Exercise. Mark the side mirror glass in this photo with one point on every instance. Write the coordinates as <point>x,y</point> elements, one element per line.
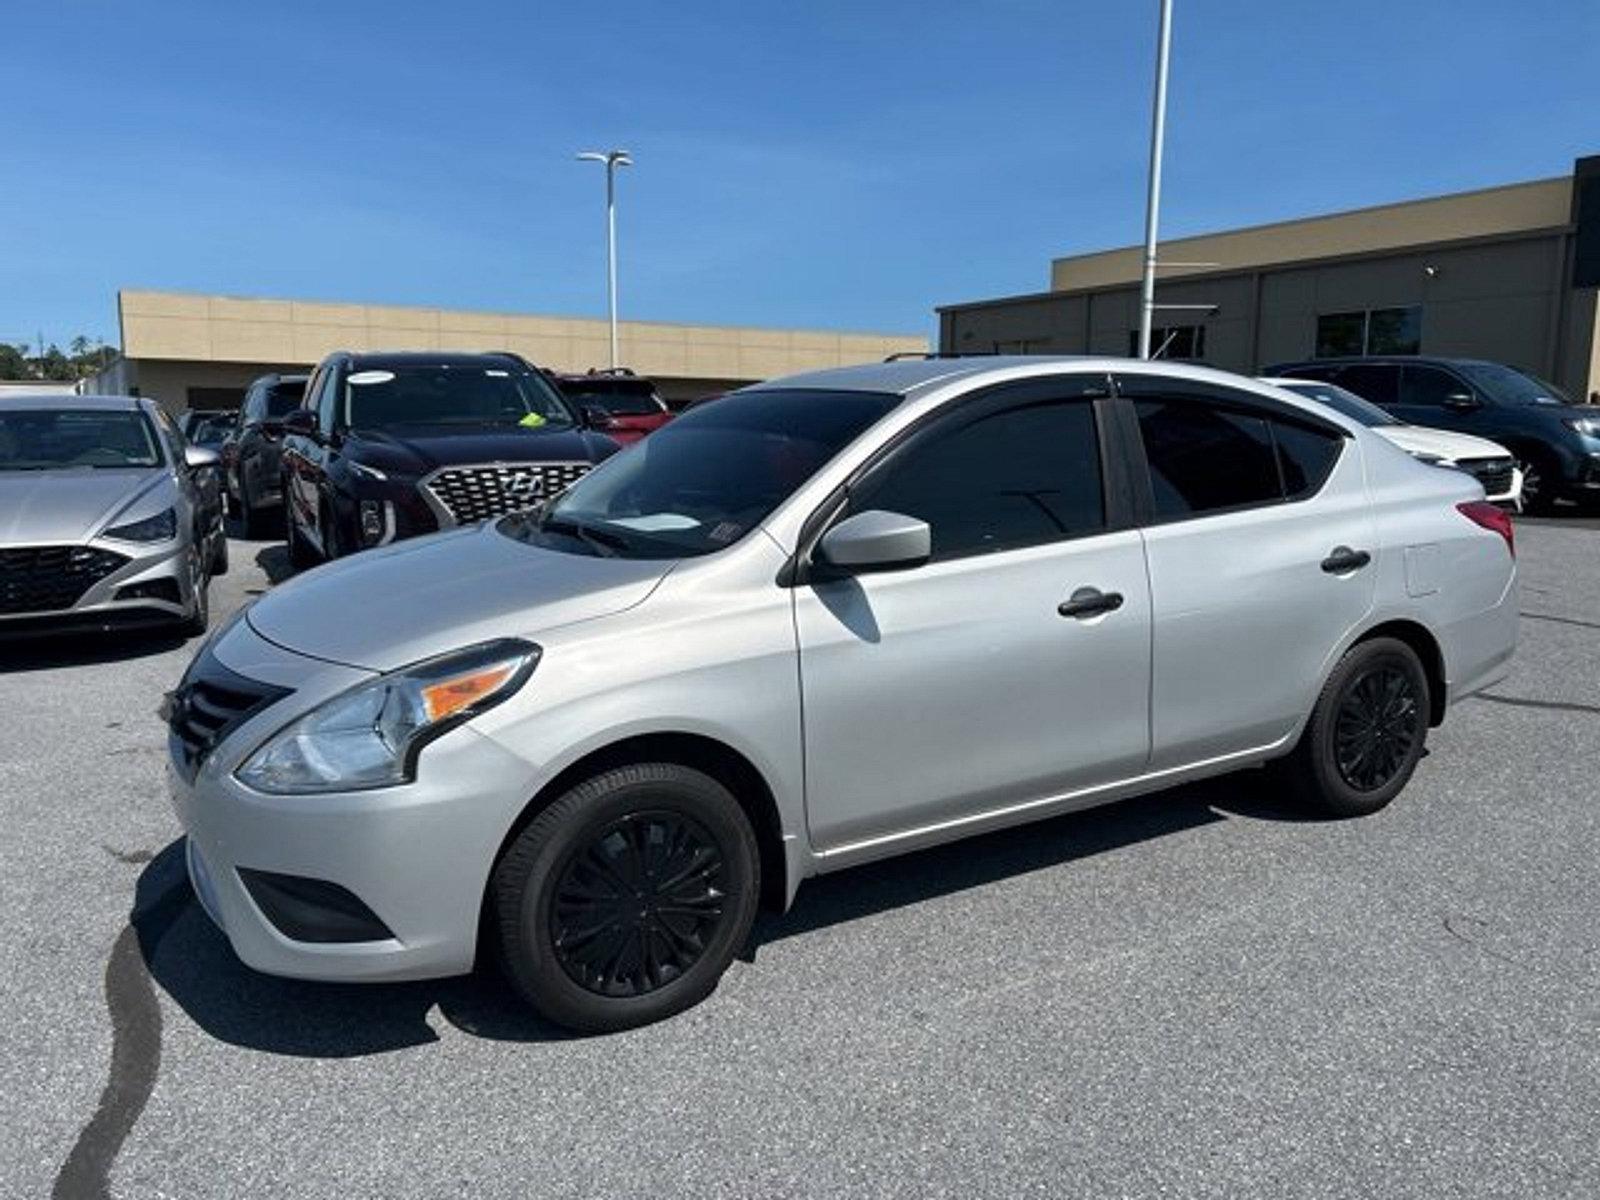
<point>197,458</point>
<point>875,541</point>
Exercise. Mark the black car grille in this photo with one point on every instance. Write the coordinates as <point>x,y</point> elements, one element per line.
<point>478,493</point>
<point>207,705</point>
<point>37,579</point>
<point>1493,473</point>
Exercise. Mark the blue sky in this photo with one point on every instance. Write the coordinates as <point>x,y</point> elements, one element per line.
<point>815,164</point>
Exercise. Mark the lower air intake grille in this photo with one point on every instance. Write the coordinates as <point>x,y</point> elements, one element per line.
<point>209,703</point>
<point>470,494</point>
<point>1493,473</point>
<point>36,579</point>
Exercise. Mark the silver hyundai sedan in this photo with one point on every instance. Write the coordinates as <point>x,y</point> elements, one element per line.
<point>827,619</point>
<point>107,517</point>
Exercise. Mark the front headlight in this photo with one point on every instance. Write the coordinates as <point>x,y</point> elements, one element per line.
<point>370,736</point>
<point>159,528</point>
<point>1588,426</point>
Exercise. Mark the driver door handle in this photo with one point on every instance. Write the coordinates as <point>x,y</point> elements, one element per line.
<point>1089,602</point>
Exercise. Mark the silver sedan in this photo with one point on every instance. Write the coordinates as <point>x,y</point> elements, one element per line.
<point>107,518</point>
<point>824,620</point>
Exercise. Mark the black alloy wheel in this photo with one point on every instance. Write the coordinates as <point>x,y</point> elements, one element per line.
<point>1378,723</point>
<point>1366,733</point>
<point>637,905</point>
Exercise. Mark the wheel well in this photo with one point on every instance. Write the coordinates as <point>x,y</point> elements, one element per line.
<point>1427,650</point>
<point>718,760</point>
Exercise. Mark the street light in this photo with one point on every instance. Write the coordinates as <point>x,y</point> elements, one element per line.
<point>612,159</point>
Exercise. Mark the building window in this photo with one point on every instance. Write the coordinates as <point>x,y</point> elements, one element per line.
<point>1171,341</point>
<point>1371,331</point>
<point>1036,345</point>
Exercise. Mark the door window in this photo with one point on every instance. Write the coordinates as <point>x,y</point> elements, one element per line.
<point>1377,383</point>
<point>326,397</point>
<point>1017,477</point>
<point>1305,456</point>
<point>1429,386</point>
<point>1204,459</point>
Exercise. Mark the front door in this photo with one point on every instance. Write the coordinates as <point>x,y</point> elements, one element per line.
<point>961,687</point>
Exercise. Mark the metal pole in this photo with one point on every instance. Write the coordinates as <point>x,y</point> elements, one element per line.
<point>611,250</point>
<point>1152,207</point>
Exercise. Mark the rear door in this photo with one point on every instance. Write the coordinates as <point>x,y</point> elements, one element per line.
<point>1258,524</point>
<point>960,687</point>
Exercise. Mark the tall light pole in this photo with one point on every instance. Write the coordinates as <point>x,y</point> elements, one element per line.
<point>612,159</point>
<point>1152,205</point>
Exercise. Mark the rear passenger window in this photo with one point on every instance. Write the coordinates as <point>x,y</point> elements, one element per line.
<point>1306,457</point>
<point>1203,459</point>
<point>1018,477</point>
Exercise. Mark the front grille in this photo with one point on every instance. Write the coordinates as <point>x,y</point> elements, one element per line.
<point>36,579</point>
<point>1493,473</point>
<point>470,494</point>
<point>207,705</point>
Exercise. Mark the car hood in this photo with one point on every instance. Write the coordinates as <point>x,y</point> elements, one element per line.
<point>383,609</point>
<point>67,506</point>
<point>1419,439</point>
<point>424,448</point>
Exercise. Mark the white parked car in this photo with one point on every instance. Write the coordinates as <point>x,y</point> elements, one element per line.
<point>1490,463</point>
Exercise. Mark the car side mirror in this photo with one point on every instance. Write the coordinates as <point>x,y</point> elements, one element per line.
<point>302,421</point>
<point>198,458</point>
<point>1462,402</point>
<point>874,541</point>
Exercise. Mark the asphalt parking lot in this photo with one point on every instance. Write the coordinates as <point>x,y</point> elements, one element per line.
<point>1194,994</point>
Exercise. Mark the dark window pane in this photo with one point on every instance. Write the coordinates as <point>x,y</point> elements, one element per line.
<point>1013,478</point>
<point>1429,386</point>
<point>1203,459</point>
<point>284,399</point>
<point>1341,334</point>
<point>1377,383</point>
<point>1305,456</point>
<point>1394,330</point>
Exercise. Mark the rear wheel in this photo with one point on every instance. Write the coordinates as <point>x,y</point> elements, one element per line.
<point>252,519</point>
<point>1366,733</point>
<point>625,900</point>
<point>219,551</point>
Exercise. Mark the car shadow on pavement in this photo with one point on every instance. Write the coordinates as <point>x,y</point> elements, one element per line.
<point>80,648</point>
<point>191,960</point>
<point>274,563</point>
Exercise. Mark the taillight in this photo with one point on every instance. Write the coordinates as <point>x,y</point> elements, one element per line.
<point>1491,517</point>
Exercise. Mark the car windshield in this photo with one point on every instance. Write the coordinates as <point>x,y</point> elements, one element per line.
<point>284,398</point>
<point>634,402</point>
<point>705,480</point>
<point>1512,385</point>
<point>1346,403</point>
<point>47,439</point>
<point>451,394</point>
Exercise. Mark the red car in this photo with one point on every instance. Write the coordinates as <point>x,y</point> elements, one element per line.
<point>617,403</point>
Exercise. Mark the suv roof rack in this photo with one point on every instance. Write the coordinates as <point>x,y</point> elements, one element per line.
<point>929,355</point>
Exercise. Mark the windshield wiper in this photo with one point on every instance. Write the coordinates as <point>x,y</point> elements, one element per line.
<point>603,542</point>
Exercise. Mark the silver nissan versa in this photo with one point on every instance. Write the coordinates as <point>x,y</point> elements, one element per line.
<point>824,620</point>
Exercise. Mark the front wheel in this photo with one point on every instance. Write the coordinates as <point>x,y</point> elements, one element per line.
<point>625,900</point>
<point>1538,485</point>
<point>1366,733</point>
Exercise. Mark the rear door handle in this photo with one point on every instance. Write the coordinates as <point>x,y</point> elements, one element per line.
<point>1341,559</point>
<point>1090,602</point>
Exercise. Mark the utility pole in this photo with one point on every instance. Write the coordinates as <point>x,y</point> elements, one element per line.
<point>1152,207</point>
<point>612,160</point>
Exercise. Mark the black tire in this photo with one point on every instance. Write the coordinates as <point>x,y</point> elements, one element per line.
<point>1539,471</point>
<point>199,619</point>
<point>219,552</point>
<point>301,556</point>
<point>1366,734</point>
<point>251,519</point>
<point>564,895</point>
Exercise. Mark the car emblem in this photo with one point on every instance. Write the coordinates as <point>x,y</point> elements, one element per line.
<point>524,487</point>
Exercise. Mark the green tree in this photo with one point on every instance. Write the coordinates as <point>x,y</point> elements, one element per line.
<point>56,366</point>
<point>14,362</point>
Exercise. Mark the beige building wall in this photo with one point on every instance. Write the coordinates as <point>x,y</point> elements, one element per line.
<point>174,336</point>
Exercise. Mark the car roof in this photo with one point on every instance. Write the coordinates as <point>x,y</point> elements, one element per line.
<point>366,360</point>
<point>1386,359</point>
<point>909,376</point>
<point>70,400</point>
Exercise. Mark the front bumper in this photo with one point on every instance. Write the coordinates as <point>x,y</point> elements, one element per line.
<point>417,857</point>
<point>153,587</point>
